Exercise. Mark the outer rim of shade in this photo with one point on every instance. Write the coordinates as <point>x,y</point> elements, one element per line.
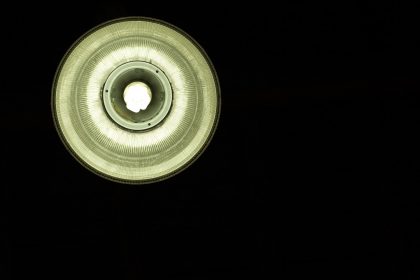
<point>180,168</point>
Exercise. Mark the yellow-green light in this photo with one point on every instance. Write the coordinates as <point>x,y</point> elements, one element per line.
<point>136,100</point>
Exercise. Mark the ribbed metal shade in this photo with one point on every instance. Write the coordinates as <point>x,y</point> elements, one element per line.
<point>136,147</point>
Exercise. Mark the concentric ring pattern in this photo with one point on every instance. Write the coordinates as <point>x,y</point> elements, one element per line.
<point>132,156</point>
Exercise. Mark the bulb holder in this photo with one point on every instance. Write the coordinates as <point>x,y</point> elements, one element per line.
<point>113,97</point>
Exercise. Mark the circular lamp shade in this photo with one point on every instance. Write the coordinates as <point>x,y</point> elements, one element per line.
<point>136,100</point>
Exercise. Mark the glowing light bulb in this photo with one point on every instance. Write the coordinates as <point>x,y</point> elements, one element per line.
<point>137,96</point>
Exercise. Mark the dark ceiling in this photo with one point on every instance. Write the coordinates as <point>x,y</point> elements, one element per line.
<point>312,172</point>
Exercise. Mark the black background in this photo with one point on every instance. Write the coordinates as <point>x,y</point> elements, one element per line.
<point>312,172</point>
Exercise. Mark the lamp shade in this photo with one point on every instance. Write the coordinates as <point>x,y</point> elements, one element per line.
<point>136,100</point>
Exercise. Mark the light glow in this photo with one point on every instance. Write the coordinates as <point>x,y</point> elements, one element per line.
<point>137,96</point>
<point>103,146</point>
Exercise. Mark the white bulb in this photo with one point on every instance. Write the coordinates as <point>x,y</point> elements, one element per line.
<point>137,96</point>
